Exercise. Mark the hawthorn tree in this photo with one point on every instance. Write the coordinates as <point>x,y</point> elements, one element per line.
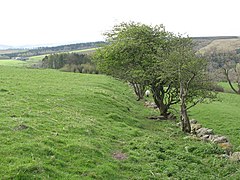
<point>124,55</point>
<point>150,56</point>
<point>133,53</point>
<point>188,74</point>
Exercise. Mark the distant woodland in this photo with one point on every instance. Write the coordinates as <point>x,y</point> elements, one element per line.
<point>52,50</point>
<point>70,62</point>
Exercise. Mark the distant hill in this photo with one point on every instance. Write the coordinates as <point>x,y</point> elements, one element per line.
<point>217,44</point>
<point>218,51</point>
<point>221,46</point>
<point>55,49</point>
<point>203,45</point>
<point>2,47</point>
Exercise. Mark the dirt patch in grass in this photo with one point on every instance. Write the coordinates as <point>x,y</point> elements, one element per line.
<point>119,156</point>
<point>21,127</point>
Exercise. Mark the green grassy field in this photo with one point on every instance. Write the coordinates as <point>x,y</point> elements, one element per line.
<point>34,60</point>
<point>57,125</point>
<point>10,62</point>
<point>227,87</point>
<point>222,115</point>
<point>17,63</point>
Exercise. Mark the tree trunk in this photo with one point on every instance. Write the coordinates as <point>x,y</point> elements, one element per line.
<point>139,90</point>
<point>158,97</point>
<point>163,109</point>
<point>185,119</point>
<point>184,116</point>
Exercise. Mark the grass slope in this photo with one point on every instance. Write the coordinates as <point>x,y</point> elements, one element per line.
<point>56,125</point>
<point>222,115</point>
<point>10,62</point>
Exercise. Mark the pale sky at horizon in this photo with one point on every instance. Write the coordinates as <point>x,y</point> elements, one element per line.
<point>34,22</point>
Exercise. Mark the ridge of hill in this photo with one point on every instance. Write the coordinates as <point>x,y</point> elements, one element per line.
<point>50,50</point>
<point>216,44</point>
<point>203,44</point>
<point>2,47</point>
<point>221,46</point>
<point>57,125</point>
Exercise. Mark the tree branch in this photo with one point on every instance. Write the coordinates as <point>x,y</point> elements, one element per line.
<point>168,88</point>
<point>229,81</point>
<point>190,80</point>
<point>195,103</point>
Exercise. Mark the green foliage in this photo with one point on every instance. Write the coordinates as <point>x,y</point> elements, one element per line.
<point>134,53</point>
<point>130,47</point>
<point>188,75</point>
<point>184,68</point>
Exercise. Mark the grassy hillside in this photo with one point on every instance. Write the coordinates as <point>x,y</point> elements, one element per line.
<point>57,125</point>
<point>10,62</point>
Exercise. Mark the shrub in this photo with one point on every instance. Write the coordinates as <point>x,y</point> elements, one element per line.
<point>218,88</point>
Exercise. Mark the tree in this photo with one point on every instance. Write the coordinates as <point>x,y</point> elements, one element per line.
<point>188,74</point>
<point>133,53</point>
<point>129,47</point>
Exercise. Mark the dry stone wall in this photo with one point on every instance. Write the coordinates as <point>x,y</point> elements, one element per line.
<point>206,134</point>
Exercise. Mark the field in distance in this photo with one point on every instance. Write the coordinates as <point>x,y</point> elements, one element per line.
<point>36,59</point>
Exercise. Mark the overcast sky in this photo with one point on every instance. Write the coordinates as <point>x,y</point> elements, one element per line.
<point>25,22</point>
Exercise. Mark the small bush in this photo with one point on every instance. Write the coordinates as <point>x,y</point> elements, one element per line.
<point>218,88</point>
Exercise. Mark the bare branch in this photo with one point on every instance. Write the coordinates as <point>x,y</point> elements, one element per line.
<point>195,103</point>
<point>168,88</point>
<point>226,72</point>
<point>190,80</point>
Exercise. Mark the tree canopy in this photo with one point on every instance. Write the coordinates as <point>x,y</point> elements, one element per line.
<point>129,50</point>
<point>189,74</point>
<point>150,56</point>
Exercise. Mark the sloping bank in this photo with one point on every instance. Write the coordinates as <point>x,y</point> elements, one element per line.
<point>57,125</point>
